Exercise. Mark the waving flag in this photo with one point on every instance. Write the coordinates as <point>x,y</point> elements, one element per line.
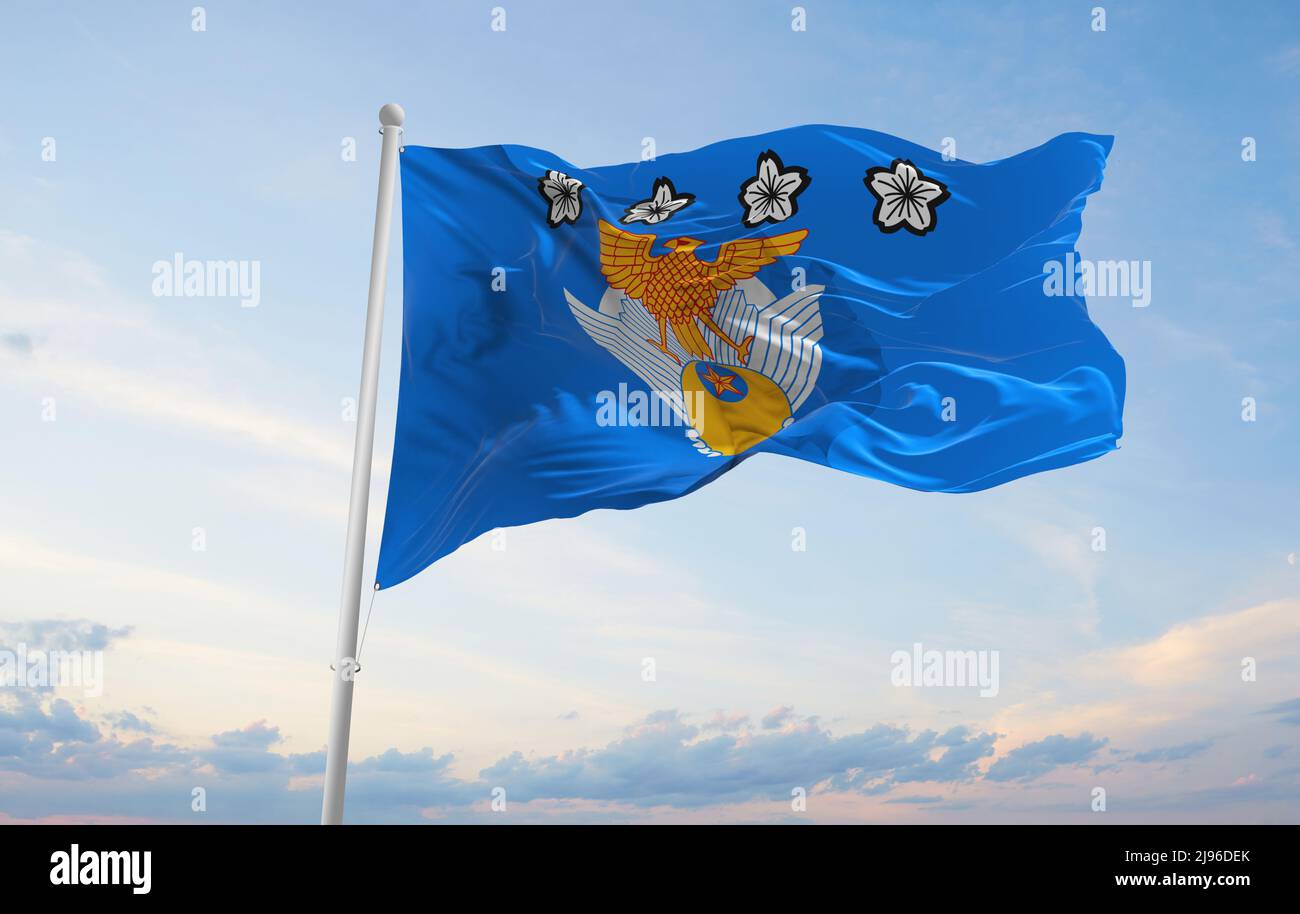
<point>616,336</point>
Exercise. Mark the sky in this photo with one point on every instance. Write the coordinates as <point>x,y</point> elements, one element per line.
<point>175,469</point>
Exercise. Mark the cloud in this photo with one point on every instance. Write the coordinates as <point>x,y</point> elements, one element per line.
<point>1274,798</point>
<point>60,634</point>
<point>1033,760</point>
<point>257,736</point>
<point>125,720</point>
<point>1173,753</point>
<point>916,799</point>
<point>661,761</point>
<point>1203,649</point>
<point>251,751</point>
<point>36,726</point>
<point>1287,712</point>
<point>20,343</point>
<point>665,760</point>
<point>727,723</point>
<point>777,717</point>
<point>47,738</point>
<point>56,763</point>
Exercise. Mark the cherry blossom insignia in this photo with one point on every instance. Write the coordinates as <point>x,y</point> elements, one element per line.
<point>663,203</point>
<point>564,194</point>
<point>770,196</point>
<point>905,198</point>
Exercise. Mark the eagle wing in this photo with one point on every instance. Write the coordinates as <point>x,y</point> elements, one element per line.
<point>625,259</point>
<point>742,258</point>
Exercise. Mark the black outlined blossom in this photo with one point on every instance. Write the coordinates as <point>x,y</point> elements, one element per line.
<point>905,198</point>
<point>564,194</point>
<point>663,203</point>
<point>770,196</point>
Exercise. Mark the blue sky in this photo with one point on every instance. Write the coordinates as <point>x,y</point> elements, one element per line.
<point>522,668</point>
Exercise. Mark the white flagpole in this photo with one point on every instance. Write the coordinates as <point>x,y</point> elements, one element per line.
<point>345,649</point>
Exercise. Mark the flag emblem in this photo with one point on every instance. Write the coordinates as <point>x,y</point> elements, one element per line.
<point>705,336</point>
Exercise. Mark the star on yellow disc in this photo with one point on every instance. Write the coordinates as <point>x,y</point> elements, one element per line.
<point>722,383</point>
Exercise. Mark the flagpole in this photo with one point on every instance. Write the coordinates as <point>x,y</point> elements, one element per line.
<point>345,649</point>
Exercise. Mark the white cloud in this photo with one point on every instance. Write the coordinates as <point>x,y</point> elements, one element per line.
<point>1211,649</point>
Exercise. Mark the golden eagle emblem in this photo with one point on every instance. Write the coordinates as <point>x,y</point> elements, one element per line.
<point>679,289</point>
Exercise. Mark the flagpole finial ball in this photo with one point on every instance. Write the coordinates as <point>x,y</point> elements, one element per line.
<point>391,115</point>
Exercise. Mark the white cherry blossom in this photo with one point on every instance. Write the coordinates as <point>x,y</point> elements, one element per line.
<point>564,194</point>
<point>664,201</point>
<point>770,196</point>
<point>905,198</point>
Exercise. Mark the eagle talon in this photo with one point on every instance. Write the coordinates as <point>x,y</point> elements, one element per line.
<point>742,351</point>
<point>665,350</point>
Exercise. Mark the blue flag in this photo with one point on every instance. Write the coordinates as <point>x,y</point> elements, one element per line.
<point>579,338</point>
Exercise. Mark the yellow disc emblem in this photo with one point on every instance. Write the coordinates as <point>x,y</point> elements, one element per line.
<point>733,408</point>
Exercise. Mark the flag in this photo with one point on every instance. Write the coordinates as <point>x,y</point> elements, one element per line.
<point>581,338</point>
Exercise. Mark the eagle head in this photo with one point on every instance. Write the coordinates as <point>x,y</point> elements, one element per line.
<point>683,245</point>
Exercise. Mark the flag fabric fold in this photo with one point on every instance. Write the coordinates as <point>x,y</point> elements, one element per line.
<point>615,336</point>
